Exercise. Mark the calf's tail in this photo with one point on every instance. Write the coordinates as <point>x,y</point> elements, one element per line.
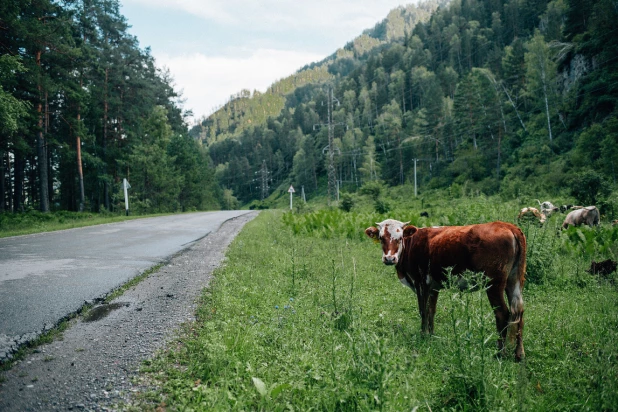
<point>516,304</point>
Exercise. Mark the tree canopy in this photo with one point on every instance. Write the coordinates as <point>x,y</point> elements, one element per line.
<point>82,107</point>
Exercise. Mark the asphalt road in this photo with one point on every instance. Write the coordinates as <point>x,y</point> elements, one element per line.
<point>95,364</point>
<point>47,276</point>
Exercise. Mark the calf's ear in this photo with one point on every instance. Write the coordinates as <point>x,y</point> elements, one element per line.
<point>372,232</point>
<point>409,230</point>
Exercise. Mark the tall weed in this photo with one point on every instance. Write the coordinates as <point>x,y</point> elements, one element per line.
<point>271,332</point>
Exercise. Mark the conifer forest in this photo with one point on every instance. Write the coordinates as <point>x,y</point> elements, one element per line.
<point>495,96</point>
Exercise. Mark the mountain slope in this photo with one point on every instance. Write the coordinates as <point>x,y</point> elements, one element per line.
<point>246,108</point>
<point>484,96</point>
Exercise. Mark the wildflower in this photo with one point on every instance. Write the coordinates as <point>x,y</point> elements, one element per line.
<point>291,299</point>
<point>276,306</point>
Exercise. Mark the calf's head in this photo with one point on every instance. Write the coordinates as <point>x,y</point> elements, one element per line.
<point>390,233</point>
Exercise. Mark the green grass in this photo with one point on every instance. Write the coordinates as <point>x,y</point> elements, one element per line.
<point>304,320</point>
<point>33,221</point>
<point>15,224</point>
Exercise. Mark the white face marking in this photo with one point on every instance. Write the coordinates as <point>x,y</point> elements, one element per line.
<point>394,228</point>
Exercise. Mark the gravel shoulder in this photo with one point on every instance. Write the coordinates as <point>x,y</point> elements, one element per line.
<point>92,366</point>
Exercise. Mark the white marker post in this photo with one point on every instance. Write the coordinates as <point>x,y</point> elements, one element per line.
<point>126,186</point>
<point>290,191</point>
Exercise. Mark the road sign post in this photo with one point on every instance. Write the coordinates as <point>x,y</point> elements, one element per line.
<point>291,191</point>
<point>126,186</point>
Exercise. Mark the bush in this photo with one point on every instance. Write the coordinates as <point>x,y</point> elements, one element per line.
<point>229,200</point>
<point>347,202</point>
<point>372,189</point>
<point>382,206</point>
<point>541,256</point>
<point>589,187</point>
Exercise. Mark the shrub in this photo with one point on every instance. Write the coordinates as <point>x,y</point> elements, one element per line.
<point>381,206</point>
<point>589,187</point>
<point>372,189</point>
<point>347,202</point>
<point>229,200</point>
<point>541,256</point>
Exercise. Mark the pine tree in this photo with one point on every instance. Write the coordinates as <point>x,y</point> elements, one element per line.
<point>370,168</point>
<point>541,78</point>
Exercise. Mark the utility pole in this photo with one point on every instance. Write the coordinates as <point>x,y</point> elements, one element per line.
<point>264,179</point>
<point>338,190</point>
<point>330,149</point>
<point>332,173</point>
<point>291,191</point>
<point>415,177</point>
<point>302,191</point>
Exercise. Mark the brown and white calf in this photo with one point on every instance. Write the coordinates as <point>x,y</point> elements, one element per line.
<point>531,212</point>
<point>497,249</point>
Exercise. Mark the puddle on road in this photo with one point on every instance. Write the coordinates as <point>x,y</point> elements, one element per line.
<point>102,311</point>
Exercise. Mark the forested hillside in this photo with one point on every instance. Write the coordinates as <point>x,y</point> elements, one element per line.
<point>494,96</point>
<point>246,109</point>
<point>82,107</point>
<point>491,96</point>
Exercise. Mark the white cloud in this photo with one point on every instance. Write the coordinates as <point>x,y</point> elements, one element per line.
<point>345,16</point>
<point>217,68</point>
<point>207,82</point>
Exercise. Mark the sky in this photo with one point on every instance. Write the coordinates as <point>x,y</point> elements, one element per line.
<point>215,48</point>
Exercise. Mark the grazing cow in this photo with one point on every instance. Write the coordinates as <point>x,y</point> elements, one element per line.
<point>424,214</point>
<point>564,208</point>
<point>588,215</point>
<point>547,208</point>
<point>603,268</point>
<point>531,212</point>
<point>497,249</point>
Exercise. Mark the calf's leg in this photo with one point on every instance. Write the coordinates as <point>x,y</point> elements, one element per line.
<point>427,300</point>
<point>495,293</point>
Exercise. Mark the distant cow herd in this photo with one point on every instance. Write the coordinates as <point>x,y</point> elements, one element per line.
<point>423,256</point>
<point>577,215</point>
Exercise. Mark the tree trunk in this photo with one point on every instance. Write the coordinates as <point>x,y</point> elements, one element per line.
<point>547,110</point>
<point>41,147</point>
<point>2,183</point>
<point>514,107</point>
<point>50,171</point>
<point>80,171</point>
<point>498,162</point>
<point>18,189</point>
<point>543,79</point>
<point>105,109</point>
<point>10,187</point>
<point>400,159</point>
<point>79,156</point>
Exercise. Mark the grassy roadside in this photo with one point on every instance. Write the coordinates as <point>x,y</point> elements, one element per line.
<point>304,322</point>
<point>15,224</point>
